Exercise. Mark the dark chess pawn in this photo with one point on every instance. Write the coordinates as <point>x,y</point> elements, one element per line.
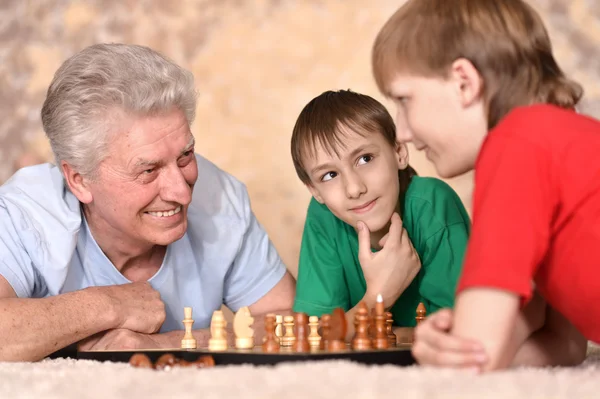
<point>337,331</point>
<point>271,344</point>
<point>361,339</point>
<point>325,326</point>
<point>140,360</point>
<point>301,344</point>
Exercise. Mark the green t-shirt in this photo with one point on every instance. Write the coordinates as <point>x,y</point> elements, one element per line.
<point>330,275</point>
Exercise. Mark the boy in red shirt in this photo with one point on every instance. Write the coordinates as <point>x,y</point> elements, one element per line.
<point>476,86</point>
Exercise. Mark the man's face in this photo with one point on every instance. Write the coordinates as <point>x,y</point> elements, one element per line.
<point>431,113</point>
<point>362,183</point>
<point>144,186</point>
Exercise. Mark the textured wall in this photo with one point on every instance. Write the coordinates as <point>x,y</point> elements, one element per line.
<point>256,63</point>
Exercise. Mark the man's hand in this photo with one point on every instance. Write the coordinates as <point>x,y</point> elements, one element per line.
<point>435,346</point>
<point>389,271</point>
<point>138,306</point>
<point>120,339</point>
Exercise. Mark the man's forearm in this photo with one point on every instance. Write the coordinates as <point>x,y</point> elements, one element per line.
<point>31,329</point>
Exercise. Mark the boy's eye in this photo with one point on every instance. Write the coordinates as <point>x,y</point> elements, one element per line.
<point>328,176</point>
<point>365,159</point>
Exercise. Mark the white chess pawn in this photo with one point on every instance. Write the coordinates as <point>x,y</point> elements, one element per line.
<point>288,338</point>
<point>314,339</point>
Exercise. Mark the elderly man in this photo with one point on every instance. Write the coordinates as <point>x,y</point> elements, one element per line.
<point>107,247</point>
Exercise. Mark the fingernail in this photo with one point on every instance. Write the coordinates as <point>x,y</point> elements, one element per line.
<point>359,225</point>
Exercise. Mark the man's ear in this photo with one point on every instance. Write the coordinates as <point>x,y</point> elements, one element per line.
<point>468,80</point>
<point>315,193</point>
<point>78,184</point>
<point>402,155</point>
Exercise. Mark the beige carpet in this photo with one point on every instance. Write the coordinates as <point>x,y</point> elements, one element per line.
<point>335,379</point>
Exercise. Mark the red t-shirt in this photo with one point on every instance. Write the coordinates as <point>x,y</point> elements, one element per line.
<point>536,212</point>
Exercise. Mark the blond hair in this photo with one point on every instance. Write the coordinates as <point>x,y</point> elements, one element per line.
<point>505,40</point>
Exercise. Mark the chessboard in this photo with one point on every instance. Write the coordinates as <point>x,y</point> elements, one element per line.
<point>290,338</point>
<point>201,358</point>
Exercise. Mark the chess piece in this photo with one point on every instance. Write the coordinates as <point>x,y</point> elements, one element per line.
<point>244,334</point>
<point>166,361</point>
<point>381,340</point>
<point>218,339</point>
<point>188,341</point>
<point>288,338</point>
<point>361,339</point>
<point>325,319</point>
<point>204,362</point>
<point>141,361</point>
<point>279,327</point>
<point>337,331</point>
<point>314,339</point>
<point>392,340</point>
<point>420,313</point>
<point>271,344</point>
<point>301,344</point>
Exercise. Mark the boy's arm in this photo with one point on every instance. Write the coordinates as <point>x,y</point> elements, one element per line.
<point>488,316</point>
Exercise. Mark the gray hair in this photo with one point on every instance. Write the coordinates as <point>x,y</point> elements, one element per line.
<point>91,85</point>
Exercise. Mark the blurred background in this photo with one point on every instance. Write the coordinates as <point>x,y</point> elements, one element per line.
<point>256,63</point>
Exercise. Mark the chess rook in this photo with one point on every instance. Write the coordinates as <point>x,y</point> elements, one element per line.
<point>337,331</point>
<point>325,319</point>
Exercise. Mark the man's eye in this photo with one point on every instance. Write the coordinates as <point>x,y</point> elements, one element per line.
<point>149,171</point>
<point>328,176</point>
<point>188,153</point>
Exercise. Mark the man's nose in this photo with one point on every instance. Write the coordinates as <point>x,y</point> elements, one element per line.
<point>175,187</point>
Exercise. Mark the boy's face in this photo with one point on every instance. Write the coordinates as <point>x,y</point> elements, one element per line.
<point>443,117</point>
<point>360,184</point>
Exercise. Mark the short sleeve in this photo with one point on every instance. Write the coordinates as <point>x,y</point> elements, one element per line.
<point>15,265</point>
<point>512,212</point>
<point>442,264</point>
<point>257,267</point>
<point>321,286</point>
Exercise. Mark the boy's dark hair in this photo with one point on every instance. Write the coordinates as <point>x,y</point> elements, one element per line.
<point>323,119</point>
<point>505,40</point>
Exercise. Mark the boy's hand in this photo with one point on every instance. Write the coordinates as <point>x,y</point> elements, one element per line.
<point>389,271</point>
<point>435,346</point>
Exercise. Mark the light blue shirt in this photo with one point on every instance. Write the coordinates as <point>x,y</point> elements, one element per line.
<point>224,258</point>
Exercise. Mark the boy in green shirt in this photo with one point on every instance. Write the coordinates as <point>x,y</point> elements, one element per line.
<point>373,226</point>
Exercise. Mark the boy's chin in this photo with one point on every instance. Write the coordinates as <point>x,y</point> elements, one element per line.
<point>376,224</point>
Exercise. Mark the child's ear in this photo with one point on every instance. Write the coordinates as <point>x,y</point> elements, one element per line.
<point>468,81</point>
<point>315,193</point>
<point>402,155</point>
